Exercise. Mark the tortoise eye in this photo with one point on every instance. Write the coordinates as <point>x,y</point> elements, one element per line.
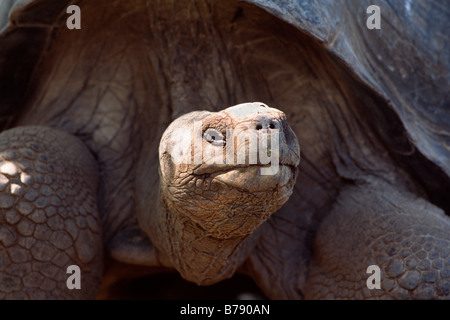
<point>213,136</point>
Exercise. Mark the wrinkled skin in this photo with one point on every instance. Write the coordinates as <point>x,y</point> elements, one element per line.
<point>113,92</point>
<point>209,209</point>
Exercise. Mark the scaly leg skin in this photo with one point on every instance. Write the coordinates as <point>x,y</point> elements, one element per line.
<point>375,224</point>
<point>48,215</point>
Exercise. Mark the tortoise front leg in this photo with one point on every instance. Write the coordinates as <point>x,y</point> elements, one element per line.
<point>376,224</point>
<point>48,215</point>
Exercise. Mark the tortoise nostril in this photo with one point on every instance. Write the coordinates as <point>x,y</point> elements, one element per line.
<point>266,123</point>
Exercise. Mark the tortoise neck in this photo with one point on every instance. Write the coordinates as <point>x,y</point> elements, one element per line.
<point>197,255</point>
<point>201,257</point>
<point>205,259</point>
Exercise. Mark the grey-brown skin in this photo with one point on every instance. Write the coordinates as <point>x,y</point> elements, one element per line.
<point>103,96</point>
<point>208,212</point>
<point>49,215</point>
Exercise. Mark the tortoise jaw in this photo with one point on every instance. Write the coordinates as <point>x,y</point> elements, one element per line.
<point>216,169</point>
<point>213,169</point>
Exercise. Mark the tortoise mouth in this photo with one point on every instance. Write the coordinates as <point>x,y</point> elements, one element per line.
<point>213,170</point>
<point>253,178</point>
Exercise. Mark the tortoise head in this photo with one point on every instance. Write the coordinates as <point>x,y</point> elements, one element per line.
<point>222,175</point>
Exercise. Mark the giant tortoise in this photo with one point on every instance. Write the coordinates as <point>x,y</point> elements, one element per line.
<point>91,119</point>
